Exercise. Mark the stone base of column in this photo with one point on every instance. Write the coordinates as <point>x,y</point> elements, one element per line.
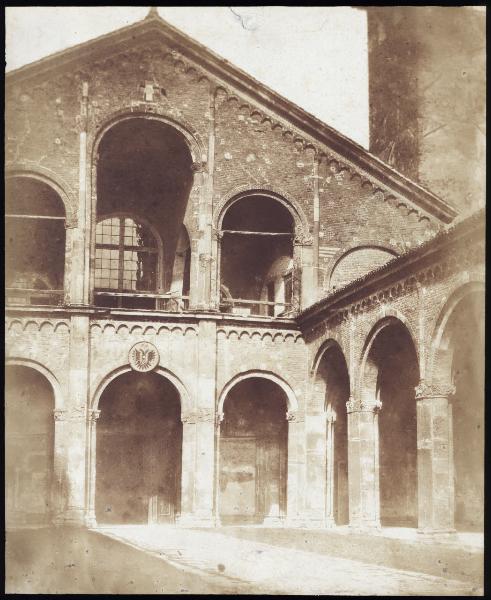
<point>90,520</point>
<point>274,522</point>
<point>72,517</point>
<point>429,532</point>
<point>365,526</point>
<point>296,522</point>
<point>197,520</point>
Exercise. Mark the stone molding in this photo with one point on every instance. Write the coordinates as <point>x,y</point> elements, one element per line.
<point>354,405</point>
<point>425,391</point>
<point>295,416</point>
<point>202,415</point>
<point>94,415</point>
<point>330,415</point>
<point>77,413</point>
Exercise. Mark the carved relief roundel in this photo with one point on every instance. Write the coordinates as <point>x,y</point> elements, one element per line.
<point>143,357</point>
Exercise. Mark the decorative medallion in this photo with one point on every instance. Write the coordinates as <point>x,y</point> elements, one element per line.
<point>143,357</point>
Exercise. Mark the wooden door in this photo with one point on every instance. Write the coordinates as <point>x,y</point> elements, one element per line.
<point>238,478</point>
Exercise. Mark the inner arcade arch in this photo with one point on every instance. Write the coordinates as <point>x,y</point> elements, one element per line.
<point>459,361</point>
<point>331,393</point>
<point>139,448</point>
<point>389,377</point>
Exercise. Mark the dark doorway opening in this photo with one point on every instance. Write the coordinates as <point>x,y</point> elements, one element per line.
<point>253,453</point>
<point>139,442</point>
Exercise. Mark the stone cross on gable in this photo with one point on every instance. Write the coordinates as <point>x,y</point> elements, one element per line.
<point>149,89</point>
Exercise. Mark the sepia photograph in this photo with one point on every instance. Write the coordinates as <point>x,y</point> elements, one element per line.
<point>244,300</point>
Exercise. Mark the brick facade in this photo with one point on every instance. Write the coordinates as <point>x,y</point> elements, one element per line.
<point>343,203</point>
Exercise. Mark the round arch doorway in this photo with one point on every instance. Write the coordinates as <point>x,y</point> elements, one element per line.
<point>139,447</point>
<point>29,445</point>
<point>253,454</point>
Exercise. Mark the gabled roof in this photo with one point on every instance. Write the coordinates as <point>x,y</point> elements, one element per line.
<point>258,92</point>
<point>471,229</point>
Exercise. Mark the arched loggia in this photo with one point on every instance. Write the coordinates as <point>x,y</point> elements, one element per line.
<point>144,175</point>
<point>331,392</point>
<point>459,361</point>
<point>390,373</point>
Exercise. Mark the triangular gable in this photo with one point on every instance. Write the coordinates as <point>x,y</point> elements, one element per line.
<point>306,130</point>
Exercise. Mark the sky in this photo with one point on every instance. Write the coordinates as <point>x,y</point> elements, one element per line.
<point>315,56</point>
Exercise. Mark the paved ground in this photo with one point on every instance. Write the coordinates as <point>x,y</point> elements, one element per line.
<point>273,569</point>
<point>72,561</point>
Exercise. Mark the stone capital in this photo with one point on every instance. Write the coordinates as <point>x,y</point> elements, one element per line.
<point>219,418</point>
<point>331,415</point>
<point>201,415</point>
<point>425,391</point>
<point>94,415</point>
<point>295,416</point>
<point>59,414</point>
<point>354,405</point>
<point>198,167</point>
<point>76,413</point>
<point>303,240</point>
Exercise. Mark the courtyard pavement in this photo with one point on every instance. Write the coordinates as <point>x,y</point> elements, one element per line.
<point>255,567</point>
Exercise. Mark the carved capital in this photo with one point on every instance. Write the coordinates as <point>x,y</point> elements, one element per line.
<point>205,415</point>
<point>202,415</point>
<point>198,167</point>
<point>303,240</point>
<point>77,413</point>
<point>205,259</point>
<point>189,418</point>
<point>424,390</point>
<point>354,405</point>
<point>295,416</point>
<point>59,414</point>
<point>94,415</point>
<point>219,418</point>
<point>330,415</point>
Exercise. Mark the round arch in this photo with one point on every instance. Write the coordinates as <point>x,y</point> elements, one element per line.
<point>55,385</point>
<point>195,145</point>
<point>438,337</point>
<point>244,191</point>
<point>290,395</point>
<point>186,404</point>
<point>54,181</point>
<point>350,248</point>
<point>323,348</point>
<point>395,317</point>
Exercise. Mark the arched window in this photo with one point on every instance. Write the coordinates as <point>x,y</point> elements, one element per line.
<point>256,257</point>
<point>127,263</point>
<point>35,243</point>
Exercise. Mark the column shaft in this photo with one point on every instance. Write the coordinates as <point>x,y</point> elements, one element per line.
<point>435,460</point>
<point>363,465</point>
